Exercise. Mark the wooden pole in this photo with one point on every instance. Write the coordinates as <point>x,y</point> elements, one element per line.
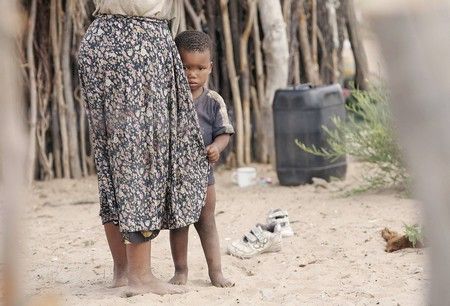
<point>44,89</point>
<point>196,20</point>
<point>262,141</point>
<point>211,11</point>
<point>276,51</point>
<point>31,64</point>
<point>55,30</point>
<point>72,128</point>
<point>359,53</point>
<point>311,75</point>
<point>326,11</point>
<point>245,82</point>
<point>314,33</point>
<point>234,83</point>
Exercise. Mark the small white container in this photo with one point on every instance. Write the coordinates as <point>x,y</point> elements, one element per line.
<point>245,176</point>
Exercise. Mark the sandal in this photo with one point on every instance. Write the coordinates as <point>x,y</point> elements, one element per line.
<point>280,217</point>
<point>260,239</point>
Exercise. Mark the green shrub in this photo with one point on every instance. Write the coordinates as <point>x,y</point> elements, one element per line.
<point>367,135</point>
<point>414,233</point>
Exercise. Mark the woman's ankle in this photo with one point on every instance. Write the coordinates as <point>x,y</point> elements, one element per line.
<point>139,276</point>
<point>120,268</point>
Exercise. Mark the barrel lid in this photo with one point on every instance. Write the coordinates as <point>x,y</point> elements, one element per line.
<point>312,96</point>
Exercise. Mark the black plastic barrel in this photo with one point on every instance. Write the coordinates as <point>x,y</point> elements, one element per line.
<point>299,113</point>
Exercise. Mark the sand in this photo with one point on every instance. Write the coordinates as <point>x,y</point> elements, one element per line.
<point>336,257</point>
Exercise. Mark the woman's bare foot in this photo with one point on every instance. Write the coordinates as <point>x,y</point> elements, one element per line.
<point>152,285</point>
<point>179,278</point>
<point>140,277</point>
<point>119,282</point>
<point>120,278</point>
<point>218,280</point>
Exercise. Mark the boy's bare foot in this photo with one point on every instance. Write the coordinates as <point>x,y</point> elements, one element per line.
<point>218,280</point>
<point>179,278</point>
<point>152,285</point>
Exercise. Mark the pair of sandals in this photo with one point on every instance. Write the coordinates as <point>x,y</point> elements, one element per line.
<point>263,238</point>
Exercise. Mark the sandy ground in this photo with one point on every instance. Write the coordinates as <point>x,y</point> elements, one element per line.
<point>335,258</point>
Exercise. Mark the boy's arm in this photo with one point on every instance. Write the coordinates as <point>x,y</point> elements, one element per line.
<point>222,128</point>
<point>219,144</point>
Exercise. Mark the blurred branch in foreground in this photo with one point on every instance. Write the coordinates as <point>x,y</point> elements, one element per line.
<point>415,42</point>
<point>12,154</point>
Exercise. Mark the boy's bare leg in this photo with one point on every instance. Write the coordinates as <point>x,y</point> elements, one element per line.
<point>179,245</point>
<point>140,277</point>
<point>119,254</point>
<point>207,231</point>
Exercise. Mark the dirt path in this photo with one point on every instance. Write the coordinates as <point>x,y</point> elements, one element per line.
<point>336,257</point>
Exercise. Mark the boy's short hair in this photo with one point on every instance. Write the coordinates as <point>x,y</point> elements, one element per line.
<point>194,41</point>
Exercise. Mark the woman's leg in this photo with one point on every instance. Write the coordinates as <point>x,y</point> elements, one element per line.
<point>178,245</point>
<point>207,231</point>
<point>119,254</point>
<point>140,276</point>
<point>132,265</point>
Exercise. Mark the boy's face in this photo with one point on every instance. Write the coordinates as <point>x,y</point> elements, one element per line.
<point>197,66</point>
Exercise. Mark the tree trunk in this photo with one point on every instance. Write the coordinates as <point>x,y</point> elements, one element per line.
<point>56,140</point>
<point>224,82</point>
<point>259,126</point>
<point>245,82</point>
<point>328,27</point>
<point>293,44</point>
<point>296,76</point>
<point>276,52</point>
<point>340,16</point>
<point>314,35</point>
<point>196,20</point>
<point>262,141</point>
<point>211,11</point>
<point>234,83</point>
<point>234,8</point>
<point>287,14</point>
<point>33,92</point>
<point>74,151</point>
<point>44,89</point>
<point>359,54</point>
<point>310,73</point>
<point>55,29</point>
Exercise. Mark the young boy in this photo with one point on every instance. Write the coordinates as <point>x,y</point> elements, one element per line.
<point>195,50</point>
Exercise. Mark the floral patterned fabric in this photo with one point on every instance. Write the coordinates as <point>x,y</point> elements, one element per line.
<point>149,153</point>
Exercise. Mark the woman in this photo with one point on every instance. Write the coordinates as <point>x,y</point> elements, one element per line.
<point>146,140</point>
